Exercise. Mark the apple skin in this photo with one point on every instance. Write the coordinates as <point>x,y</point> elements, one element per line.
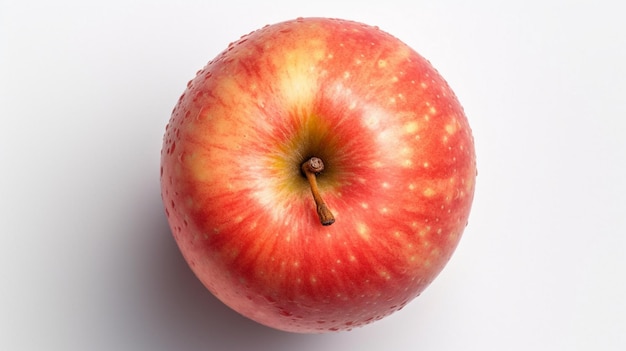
<point>399,178</point>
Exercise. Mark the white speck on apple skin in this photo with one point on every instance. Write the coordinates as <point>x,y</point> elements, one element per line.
<point>429,192</point>
<point>411,127</point>
<point>363,230</point>
<point>451,128</point>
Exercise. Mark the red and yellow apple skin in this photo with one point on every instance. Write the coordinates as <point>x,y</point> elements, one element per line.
<point>399,177</point>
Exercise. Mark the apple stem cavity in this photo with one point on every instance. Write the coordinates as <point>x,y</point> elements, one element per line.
<point>311,169</point>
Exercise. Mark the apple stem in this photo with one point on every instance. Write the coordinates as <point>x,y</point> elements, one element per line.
<point>311,169</point>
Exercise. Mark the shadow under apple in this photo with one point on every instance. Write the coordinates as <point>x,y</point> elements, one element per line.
<point>183,314</point>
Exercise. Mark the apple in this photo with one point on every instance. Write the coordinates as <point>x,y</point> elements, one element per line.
<point>317,175</point>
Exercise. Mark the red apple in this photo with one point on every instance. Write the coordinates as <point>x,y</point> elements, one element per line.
<point>398,180</point>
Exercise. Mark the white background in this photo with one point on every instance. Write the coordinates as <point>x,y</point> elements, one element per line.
<point>87,261</point>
